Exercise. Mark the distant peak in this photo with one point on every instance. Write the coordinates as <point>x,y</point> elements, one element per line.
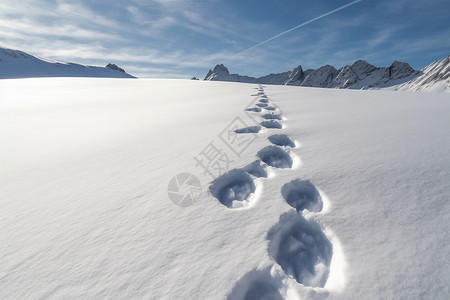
<point>14,53</point>
<point>115,67</point>
<point>361,63</point>
<point>298,68</point>
<point>219,71</point>
<point>399,63</point>
<point>400,70</point>
<point>220,68</point>
<point>327,68</point>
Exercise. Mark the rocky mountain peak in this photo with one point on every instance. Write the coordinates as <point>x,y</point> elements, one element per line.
<point>321,77</point>
<point>346,77</point>
<point>219,71</point>
<point>296,76</point>
<point>115,67</point>
<point>362,68</point>
<point>400,70</point>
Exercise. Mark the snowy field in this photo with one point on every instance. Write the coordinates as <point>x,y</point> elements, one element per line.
<point>349,199</point>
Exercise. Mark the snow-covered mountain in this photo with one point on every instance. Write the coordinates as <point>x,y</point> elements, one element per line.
<point>360,75</point>
<point>18,64</point>
<point>293,77</point>
<point>434,77</point>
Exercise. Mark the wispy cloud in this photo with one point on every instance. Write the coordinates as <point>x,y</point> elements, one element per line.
<point>175,37</point>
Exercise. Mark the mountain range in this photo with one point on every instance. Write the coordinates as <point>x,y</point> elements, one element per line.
<point>359,75</point>
<point>18,64</point>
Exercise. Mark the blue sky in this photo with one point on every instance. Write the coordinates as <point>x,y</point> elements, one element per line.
<point>184,38</point>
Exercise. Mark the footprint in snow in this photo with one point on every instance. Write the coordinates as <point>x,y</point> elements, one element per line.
<point>257,285</point>
<point>256,169</point>
<point>301,249</point>
<point>281,140</point>
<point>275,157</point>
<point>271,116</point>
<point>254,109</point>
<point>250,129</point>
<point>302,194</point>
<point>271,124</point>
<point>233,189</point>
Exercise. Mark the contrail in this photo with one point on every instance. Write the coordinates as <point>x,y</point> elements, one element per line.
<point>301,25</point>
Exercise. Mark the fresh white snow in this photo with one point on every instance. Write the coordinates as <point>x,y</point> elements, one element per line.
<point>352,202</point>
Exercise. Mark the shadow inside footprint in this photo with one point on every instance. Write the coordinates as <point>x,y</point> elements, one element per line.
<point>255,169</point>
<point>302,194</point>
<point>265,100</point>
<point>261,104</point>
<point>254,109</point>
<point>275,157</point>
<point>250,129</point>
<point>281,140</point>
<point>233,187</point>
<point>257,285</point>
<point>301,249</point>
<point>271,116</point>
<point>271,124</point>
<point>270,108</point>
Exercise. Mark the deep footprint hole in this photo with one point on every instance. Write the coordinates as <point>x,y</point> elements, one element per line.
<point>254,109</point>
<point>281,140</point>
<point>235,185</point>
<point>271,116</point>
<point>301,249</point>
<point>302,194</point>
<point>256,169</point>
<point>275,157</point>
<point>250,129</point>
<point>257,285</point>
<point>271,124</point>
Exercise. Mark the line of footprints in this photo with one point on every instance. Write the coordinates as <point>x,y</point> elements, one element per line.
<point>296,243</point>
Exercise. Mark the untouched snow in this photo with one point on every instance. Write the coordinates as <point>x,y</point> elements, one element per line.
<point>18,64</point>
<point>351,199</point>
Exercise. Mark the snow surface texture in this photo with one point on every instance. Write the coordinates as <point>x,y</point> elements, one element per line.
<point>360,75</point>
<point>86,214</point>
<point>18,64</point>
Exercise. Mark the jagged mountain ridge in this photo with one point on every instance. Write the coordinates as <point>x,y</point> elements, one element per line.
<point>293,77</point>
<point>359,75</point>
<point>18,64</point>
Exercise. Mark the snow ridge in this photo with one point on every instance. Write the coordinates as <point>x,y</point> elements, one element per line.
<point>434,77</point>
<point>359,75</point>
<point>18,64</point>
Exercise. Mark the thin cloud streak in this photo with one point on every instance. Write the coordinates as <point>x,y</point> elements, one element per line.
<point>301,25</point>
